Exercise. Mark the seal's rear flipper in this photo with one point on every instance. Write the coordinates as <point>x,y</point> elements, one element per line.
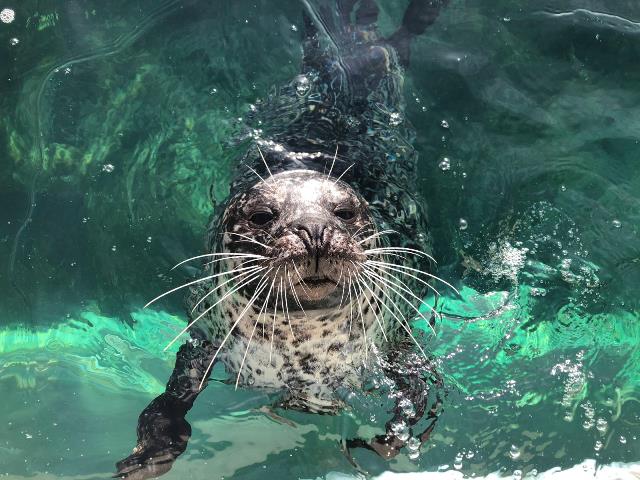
<point>163,431</point>
<point>419,15</point>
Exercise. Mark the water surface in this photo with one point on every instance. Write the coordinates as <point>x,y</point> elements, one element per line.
<point>117,126</point>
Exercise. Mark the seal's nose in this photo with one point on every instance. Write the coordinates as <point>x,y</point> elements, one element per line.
<point>313,235</point>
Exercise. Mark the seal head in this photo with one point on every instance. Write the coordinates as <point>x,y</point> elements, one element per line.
<point>306,224</point>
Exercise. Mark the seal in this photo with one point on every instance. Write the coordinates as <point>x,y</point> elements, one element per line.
<point>320,256</point>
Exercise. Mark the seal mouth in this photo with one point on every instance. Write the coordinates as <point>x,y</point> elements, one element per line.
<point>317,282</point>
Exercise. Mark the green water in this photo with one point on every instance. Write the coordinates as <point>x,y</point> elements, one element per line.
<point>117,118</point>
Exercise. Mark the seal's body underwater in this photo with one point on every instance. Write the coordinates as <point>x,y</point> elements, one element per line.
<point>319,256</point>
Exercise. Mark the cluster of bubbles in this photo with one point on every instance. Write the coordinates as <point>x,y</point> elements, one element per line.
<point>575,381</point>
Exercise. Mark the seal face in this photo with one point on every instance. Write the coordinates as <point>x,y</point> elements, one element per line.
<point>304,220</point>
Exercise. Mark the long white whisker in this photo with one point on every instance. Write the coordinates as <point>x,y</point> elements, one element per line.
<point>345,171</point>
<point>403,323</point>
<point>199,280</point>
<point>344,284</point>
<point>382,329</point>
<point>350,307</point>
<point>333,163</point>
<point>386,267</point>
<point>295,295</point>
<point>259,290</point>
<point>273,323</point>
<point>285,303</point>
<point>378,234</point>
<point>249,239</point>
<point>304,285</point>
<point>264,161</point>
<point>260,177</point>
<point>233,258</point>
<point>255,274</point>
<point>400,250</point>
<point>392,287</point>
<point>255,325</point>
<point>364,330</point>
<point>361,229</point>
<point>227,255</point>
<point>256,268</point>
<point>404,267</point>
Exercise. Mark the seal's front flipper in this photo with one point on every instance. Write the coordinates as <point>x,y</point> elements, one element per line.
<point>163,431</point>
<point>412,392</point>
<point>419,15</point>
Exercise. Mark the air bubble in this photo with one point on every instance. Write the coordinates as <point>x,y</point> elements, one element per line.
<point>462,224</point>
<point>7,15</point>
<point>514,452</point>
<point>302,85</point>
<point>413,444</point>
<point>601,425</point>
<point>395,119</point>
<point>445,164</point>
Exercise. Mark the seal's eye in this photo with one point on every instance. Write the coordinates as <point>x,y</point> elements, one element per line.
<point>345,213</point>
<point>262,217</point>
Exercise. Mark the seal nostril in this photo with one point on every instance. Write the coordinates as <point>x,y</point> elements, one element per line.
<point>313,235</point>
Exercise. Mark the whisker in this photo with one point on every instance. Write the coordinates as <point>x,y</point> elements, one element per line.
<point>364,330</point>
<point>404,267</point>
<point>382,329</point>
<point>233,258</point>
<point>345,171</point>
<point>332,163</point>
<point>401,250</point>
<point>404,324</point>
<point>273,323</point>
<point>259,290</point>
<point>285,304</point>
<point>255,274</point>
<point>387,267</point>
<point>199,280</point>
<point>392,287</point>
<point>264,161</point>
<point>256,268</point>
<point>226,255</point>
<point>350,307</point>
<point>260,177</point>
<point>302,282</point>
<point>295,295</point>
<point>378,234</point>
<point>255,325</point>
<point>363,227</point>
<point>344,283</point>
<point>252,240</point>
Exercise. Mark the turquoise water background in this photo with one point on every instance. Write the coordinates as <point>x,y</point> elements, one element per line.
<point>116,127</point>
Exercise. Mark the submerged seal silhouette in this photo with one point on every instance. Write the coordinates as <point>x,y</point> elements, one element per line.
<point>320,255</point>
